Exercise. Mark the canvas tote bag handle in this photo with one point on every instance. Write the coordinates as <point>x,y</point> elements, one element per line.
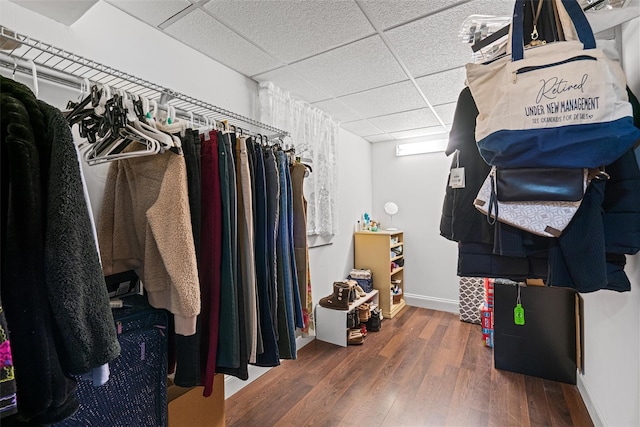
<point>569,12</point>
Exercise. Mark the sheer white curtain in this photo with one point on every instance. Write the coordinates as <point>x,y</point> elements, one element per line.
<point>314,134</point>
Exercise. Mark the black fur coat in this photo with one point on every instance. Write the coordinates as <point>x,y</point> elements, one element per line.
<point>53,288</point>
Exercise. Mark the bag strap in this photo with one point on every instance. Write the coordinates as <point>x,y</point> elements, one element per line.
<point>570,8</point>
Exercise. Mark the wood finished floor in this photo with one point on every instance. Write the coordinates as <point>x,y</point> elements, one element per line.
<point>424,368</point>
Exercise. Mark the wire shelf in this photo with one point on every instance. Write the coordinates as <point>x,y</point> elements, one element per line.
<point>66,68</point>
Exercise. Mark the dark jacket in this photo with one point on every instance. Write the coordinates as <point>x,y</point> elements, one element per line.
<point>590,253</point>
<point>52,286</point>
<point>463,223</point>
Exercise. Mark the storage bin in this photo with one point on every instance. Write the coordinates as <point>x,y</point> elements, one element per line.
<point>364,279</point>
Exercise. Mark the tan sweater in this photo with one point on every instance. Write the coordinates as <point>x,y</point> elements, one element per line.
<point>145,225</point>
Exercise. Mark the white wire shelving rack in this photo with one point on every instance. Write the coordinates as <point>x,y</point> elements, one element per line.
<point>21,53</point>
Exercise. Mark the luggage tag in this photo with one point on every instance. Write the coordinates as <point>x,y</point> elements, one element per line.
<point>456,175</point>
<point>518,310</point>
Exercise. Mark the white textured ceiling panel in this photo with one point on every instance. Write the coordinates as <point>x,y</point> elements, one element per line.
<point>292,30</point>
<point>443,87</point>
<point>384,100</point>
<point>408,120</point>
<point>150,11</point>
<point>432,44</point>
<point>361,128</point>
<point>388,13</point>
<point>445,111</point>
<point>205,34</point>
<point>357,66</point>
<point>378,138</point>
<point>64,11</point>
<point>338,110</point>
<point>413,133</point>
<point>287,79</point>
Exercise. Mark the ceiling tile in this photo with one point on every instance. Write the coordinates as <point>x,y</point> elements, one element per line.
<point>288,79</point>
<point>427,46</point>
<point>292,30</point>
<point>358,66</point>
<point>432,130</point>
<point>408,120</point>
<point>384,100</point>
<point>361,128</point>
<point>338,110</point>
<point>205,34</point>
<point>445,111</point>
<point>378,138</point>
<point>150,11</point>
<point>64,11</point>
<point>389,13</point>
<point>444,87</point>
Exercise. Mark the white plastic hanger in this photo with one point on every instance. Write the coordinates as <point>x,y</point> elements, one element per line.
<point>34,75</point>
<point>149,126</point>
<point>103,149</point>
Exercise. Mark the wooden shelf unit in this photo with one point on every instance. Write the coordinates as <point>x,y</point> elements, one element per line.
<point>373,252</point>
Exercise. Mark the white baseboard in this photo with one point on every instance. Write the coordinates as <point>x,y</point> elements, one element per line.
<point>433,303</point>
<point>232,385</point>
<point>594,412</point>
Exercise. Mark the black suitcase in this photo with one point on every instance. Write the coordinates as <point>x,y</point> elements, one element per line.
<point>136,393</point>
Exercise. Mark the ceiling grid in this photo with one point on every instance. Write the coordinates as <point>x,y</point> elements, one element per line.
<point>385,69</point>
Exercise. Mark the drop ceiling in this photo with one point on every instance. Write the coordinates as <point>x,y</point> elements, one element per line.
<point>385,69</point>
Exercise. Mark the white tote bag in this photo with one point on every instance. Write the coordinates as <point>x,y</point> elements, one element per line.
<point>562,105</point>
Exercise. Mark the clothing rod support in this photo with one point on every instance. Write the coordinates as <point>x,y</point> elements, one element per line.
<point>50,59</point>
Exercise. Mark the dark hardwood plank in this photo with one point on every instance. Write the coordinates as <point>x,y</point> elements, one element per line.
<point>539,410</point>
<point>423,368</point>
<point>577,408</point>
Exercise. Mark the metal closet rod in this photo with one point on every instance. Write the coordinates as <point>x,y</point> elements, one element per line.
<point>65,68</point>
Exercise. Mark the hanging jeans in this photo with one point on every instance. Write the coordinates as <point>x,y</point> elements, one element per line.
<point>228,354</point>
<point>252,172</point>
<point>273,216</point>
<point>241,370</point>
<point>269,355</point>
<point>285,261</point>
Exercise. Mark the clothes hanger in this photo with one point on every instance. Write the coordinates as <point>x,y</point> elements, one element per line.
<point>34,75</point>
<point>149,126</point>
<point>171,126</point>
<point>204,130</point>
<point>191,123</point>
<point>120,135</point>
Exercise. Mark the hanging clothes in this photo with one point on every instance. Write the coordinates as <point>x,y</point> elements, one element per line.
<point>187,348</point>
<point>211,265</point>
<point>252,173</point>
<point>297,306</point>
<point>232,356</point>
<point>270,355</point>
<point>53,291</point>
<point>273,218</point>
<point>301,248</point>
<point>145,226</point>
<point>609,213</point>
<point>287,287</point>
<point>245,241</point>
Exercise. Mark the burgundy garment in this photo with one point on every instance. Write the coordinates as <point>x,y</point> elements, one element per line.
<point>211,259</point>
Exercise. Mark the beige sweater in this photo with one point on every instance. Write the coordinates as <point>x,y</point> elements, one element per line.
<point>145,225</point>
